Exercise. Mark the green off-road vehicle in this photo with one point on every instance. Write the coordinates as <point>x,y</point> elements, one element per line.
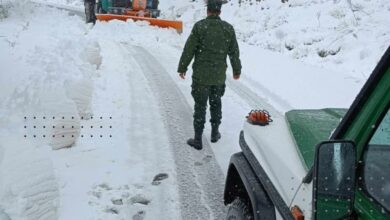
<point>323,164</point>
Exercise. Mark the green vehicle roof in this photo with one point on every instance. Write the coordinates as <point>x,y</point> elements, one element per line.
<point>310,127</point>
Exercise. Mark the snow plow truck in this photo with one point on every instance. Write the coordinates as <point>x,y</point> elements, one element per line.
<point>327,164</point>
<point>136,10</point>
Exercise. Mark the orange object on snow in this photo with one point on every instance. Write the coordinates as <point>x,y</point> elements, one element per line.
<point>259,117</point>
<point>178,25</point>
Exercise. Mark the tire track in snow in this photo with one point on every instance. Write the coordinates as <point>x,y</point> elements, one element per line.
<point>150,132</point>
<point>200,187</point>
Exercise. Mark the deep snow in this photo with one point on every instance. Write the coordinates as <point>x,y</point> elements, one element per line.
<point>53,64</point>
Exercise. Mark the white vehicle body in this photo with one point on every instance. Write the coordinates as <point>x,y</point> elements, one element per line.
<point>275,149</point>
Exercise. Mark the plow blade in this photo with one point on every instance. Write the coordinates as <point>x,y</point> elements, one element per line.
<point>178,25</point>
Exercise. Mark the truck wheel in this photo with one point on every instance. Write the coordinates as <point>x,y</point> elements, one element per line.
<point>238,210</point>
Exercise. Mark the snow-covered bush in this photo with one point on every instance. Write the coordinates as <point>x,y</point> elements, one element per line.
<point>325,53</point>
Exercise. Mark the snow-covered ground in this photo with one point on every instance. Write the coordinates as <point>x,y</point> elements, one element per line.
<point>116,84</point>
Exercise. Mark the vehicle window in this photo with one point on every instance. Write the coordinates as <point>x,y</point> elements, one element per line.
<point>376,176</point>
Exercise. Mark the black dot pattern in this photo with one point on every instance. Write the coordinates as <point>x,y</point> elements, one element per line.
<point>37,126</point>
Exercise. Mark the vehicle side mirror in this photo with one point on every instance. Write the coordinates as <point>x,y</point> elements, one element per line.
<point>334,180</point>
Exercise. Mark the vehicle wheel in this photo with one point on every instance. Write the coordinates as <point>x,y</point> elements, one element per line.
<point>238,210</point>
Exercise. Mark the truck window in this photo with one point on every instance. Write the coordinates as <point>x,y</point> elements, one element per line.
<point>376,176</point>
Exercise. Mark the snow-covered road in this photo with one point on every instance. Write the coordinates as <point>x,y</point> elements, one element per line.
<point>199,177</point>
<point>117,84</point>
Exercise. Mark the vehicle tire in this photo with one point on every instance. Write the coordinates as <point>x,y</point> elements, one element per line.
<point>239,210</point>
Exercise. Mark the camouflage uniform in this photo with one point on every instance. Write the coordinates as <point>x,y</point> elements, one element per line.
<point>210,41</point>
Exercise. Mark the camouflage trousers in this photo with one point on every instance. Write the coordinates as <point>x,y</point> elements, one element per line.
<point>90,16</point>
<point>202,94</point>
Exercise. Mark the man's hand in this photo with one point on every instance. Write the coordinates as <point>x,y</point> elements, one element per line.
<point>182,75</point>
<point>236,77</point>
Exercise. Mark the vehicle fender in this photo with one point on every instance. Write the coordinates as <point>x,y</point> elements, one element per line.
<point>242,182</point>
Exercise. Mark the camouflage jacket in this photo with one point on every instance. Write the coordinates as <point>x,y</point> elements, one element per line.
<point>210,41</point>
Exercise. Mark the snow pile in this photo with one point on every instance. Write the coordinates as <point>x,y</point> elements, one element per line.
<point>81,94</point>
<point>65,128</point>
<point>46,87</point>
<point>136,33</point>
<point>56,83</point>
<point>28,187</point>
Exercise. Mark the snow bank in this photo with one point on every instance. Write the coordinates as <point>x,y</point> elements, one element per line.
<point>44,74</point>
<point>28,187</point>
<point>54,66</point>
<point>51,77</point>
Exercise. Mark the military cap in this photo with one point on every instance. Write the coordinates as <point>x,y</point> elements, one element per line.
<point>214,4</point>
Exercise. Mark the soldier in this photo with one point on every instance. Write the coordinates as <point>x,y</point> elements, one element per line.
<point>89,6</point>
<point>210,41</point>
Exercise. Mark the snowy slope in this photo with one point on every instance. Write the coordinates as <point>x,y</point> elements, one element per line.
<point>356,31</point>
<point>342,39</point>
<point>123,75</point>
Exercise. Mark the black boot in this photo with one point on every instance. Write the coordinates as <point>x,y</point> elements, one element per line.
<point>215,135</point>
<point>196,142</point>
